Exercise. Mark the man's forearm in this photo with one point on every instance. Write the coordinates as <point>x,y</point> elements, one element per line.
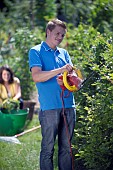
<point>42,76</point>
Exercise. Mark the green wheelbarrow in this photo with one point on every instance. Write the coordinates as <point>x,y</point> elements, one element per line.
<point>13,123</point>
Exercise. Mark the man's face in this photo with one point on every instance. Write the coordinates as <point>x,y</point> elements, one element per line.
<point>56,36</point>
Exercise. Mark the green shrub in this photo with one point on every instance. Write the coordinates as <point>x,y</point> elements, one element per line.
<point>94,129</point>
<point>10,104</point>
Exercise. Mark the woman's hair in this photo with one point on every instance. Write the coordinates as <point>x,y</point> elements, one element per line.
<point>7,68</point>
<point>53,23</point>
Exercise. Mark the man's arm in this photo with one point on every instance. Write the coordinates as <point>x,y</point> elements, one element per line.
<point>40,76</point>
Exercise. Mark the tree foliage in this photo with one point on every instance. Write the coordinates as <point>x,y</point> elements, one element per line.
<point>24,13</point>
<point>24,39</point>
<point>95,12</point>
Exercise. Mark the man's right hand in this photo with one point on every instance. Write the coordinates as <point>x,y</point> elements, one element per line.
<point>68,68</point>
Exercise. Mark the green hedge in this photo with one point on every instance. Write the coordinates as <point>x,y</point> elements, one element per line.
<point>93,140</point>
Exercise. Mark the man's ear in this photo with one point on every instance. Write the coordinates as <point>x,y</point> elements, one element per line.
<point>48,32</point>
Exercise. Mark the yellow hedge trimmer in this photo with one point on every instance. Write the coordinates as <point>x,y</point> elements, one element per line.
<point>72,81</point>
<point>75,81</point>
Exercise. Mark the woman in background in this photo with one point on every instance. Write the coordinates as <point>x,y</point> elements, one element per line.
<point>9,86</point>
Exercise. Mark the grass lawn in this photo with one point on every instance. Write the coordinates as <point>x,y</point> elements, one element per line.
<point>24,156</point>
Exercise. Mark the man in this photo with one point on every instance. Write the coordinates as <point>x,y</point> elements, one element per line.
<point>47,61</point>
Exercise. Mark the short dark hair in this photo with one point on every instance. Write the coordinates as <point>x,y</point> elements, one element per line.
<point>7,68</point>
<point>53,23</point>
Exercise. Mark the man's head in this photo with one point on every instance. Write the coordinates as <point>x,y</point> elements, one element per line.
<point>55,32</point>
<point>53,23</point>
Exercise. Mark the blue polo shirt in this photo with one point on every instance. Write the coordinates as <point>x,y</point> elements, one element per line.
<point>49,92</point>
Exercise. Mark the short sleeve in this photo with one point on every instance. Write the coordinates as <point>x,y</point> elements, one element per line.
<point>16,80</point>
<point>34,59</point>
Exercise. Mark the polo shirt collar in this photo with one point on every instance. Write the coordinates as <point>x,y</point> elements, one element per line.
<point>46,47</point>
